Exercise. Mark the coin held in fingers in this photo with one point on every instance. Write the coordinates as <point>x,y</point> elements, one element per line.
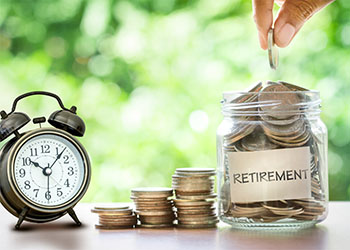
<point>272,50</point>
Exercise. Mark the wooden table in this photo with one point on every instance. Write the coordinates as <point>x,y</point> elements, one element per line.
<point>333,233</point>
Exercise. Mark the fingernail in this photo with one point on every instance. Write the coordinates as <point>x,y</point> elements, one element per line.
<point>285,35</point>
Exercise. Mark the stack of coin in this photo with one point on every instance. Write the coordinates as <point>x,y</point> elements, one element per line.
<point>115,217</point>
<point>278,126</point>
<point>194,189</point>
<point>153,206</point>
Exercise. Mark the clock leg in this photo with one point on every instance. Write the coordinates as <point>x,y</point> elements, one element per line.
<point>22,216</point>
<point>74,216</point>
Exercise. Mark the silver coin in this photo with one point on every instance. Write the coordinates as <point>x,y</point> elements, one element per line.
<point>257,141</point>
<point>156,225</point>
<point>272,50</point>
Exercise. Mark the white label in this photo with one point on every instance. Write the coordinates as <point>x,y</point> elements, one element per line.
<point>277,174</point>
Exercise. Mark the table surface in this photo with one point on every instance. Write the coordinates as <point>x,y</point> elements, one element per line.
<point>333,233</point>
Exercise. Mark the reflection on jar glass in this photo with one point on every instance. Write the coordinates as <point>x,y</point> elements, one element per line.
<point>272,158</point>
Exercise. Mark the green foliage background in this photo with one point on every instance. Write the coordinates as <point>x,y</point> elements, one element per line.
<point>147,77</point>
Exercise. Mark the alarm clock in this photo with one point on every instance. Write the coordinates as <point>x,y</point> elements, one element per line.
<point>43,172</point>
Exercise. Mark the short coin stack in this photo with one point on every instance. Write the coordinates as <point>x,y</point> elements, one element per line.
<point>115,217</point>
<point>194,189</point>
<point>153,206</point>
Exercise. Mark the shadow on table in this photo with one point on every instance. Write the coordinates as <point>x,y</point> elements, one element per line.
<point>57,235</point>
<point>25,227</point>
<point>313,238</point>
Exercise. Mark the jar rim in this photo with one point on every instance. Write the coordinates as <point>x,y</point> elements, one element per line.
<point>249,103</point>
<point>226,93</point>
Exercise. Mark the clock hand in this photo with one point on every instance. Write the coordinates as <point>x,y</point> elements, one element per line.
<point>58,157</point>
<point>48,187</point>
<point>36,164</point>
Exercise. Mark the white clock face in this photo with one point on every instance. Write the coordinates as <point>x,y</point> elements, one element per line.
<point>49,170</point>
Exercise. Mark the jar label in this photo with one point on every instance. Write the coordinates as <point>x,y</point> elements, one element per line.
<point>267,175</point>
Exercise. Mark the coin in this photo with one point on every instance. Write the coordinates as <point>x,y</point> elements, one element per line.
<point>285,130</point>
<point>239,133</point>
<point>109,227</point>
<point>242,98</point>
<point>278,101</point>
<point>195,170</point>
<point>257,141</point>
<point>150,199</point>
<point>280,122</point>
<point>197,197</point>
<point>197,226</point>
<point>108,216</point>
<point>117,222</point>
<point>190,189</point>
<point>156,219</point>
<point>292,86</point>
<point>156,225</point>
<point>153,212</point>
<point>112,211</point>
<point>149,192</point>
<point>199,222</point>
<point>113,208</point>
<point>272,50</point>
<point>196,217</point>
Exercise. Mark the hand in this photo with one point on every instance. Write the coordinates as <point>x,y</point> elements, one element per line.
<point>47,194</point>
<point>291,17</point>
<point>58,157</point>
<point>36,164</point>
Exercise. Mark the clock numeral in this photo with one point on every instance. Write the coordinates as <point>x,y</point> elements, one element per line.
<point>27,185</point>
<point>36,191</point>
<point>70,171</point>
<point>33,152</point>
<point>48,195</point>
<point>59,192</point>
<point>22,173</point>
<point>26,161</point>
<point>45,149</point>
<point>66,159</point>
<point>66,183</point>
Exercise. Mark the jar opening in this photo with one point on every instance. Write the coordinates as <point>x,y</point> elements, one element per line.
<point>271,103</point>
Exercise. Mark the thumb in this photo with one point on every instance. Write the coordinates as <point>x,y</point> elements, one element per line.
<point>292,16</point>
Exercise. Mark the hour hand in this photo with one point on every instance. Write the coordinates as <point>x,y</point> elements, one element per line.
<point>36,164</point>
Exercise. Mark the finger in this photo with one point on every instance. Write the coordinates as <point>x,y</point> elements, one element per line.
<point>262,13</point>
<point>292,16</point>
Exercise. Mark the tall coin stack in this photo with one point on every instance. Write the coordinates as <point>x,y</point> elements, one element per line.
<point>195,197</point>
<point>153,206</point>
<point>115,217</point>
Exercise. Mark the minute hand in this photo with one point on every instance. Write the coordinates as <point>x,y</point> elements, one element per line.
<point>58,157</point>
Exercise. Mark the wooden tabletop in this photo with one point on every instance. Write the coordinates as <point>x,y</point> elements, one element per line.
<point>333,233</point>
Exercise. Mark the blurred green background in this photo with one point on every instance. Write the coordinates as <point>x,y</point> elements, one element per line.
<point>147,77</point>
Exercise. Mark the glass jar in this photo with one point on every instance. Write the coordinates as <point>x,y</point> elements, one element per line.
<point>272,158</point>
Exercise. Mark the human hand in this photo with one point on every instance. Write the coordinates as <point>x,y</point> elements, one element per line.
<point>290,18</point>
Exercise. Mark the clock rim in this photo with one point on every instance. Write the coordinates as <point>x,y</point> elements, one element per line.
<point>14,186</point>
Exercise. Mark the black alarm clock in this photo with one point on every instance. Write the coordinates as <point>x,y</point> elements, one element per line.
<point>43,172</point>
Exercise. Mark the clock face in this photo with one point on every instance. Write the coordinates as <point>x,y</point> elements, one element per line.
<point>49,170</point>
